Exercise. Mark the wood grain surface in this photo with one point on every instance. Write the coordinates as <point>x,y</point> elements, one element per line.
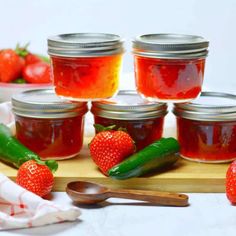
<point>184,176</point>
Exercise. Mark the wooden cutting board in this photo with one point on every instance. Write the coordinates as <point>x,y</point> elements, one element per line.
<point>185,176</point>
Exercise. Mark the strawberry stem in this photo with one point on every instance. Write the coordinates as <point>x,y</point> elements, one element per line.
<point>22,51</point>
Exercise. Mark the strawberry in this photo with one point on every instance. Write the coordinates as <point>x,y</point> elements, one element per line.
<point>38,72</point>
<point>31,59</point>
<point>35,177</point>
<point>108,148</point>
<point>11,65</point>
<point>231,183</point>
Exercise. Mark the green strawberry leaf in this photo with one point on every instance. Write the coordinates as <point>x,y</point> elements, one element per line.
<point>123,129</point>
<point>22,51</point>
<point>100,128</point>
<point>52,165</point>
<point>19,81</point>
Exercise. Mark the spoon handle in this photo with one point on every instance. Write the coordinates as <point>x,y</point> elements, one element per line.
<point>161,198</point>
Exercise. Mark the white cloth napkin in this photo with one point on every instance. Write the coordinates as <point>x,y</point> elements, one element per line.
<point>6,115</point>
<point>20,208</point>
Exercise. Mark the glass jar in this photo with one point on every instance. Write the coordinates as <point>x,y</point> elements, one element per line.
<point>206,128</point>
<point>169,67</point>
<point>143,120</point>
<point>47,125</point>
<point>86,66</point>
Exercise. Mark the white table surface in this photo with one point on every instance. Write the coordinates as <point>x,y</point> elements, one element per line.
<point>208,214</point>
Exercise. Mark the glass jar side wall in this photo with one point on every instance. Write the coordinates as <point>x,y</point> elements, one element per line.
<point>207,141</point>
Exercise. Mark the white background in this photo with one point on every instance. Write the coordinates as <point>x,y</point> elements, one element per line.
<point>30,20</point>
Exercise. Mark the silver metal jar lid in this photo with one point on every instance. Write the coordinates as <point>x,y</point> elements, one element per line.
<point>170,46</point>
<point>128,105</point>
<point>43,103</point>
<point>210,106</point>
<point>85,45</point>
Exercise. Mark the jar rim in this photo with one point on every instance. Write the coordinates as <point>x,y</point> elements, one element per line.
<point>128,105</point>
<point>198,110</point>
<point>43,103</point>
<point>85,45</point>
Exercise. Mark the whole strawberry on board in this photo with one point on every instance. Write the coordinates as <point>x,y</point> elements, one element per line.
<point>231,183</point>
<point>33,174</point>
<point>109,147</point>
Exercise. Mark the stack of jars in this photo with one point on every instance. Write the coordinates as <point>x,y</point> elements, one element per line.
<point>168,68</point>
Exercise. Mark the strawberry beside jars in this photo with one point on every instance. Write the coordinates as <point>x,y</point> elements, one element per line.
<point>143,120</point>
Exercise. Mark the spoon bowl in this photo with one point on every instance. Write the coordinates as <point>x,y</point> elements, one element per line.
<point>83,192</point>
<point>86,192</point>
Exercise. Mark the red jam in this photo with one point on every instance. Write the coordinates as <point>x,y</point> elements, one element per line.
<point>86,66</point>
<point>207,141</point>
<point>51,138</point>
<point>206,128</point>
<point>86,77</point>
<point>143,132</point>
<point>143,120</point>
<point>169,67</point>
<point>49,126</point>
<point>163,79</point>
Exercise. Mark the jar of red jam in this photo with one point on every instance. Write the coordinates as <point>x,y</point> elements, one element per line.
<point>51,127</point>
<point>142,119</point>
<point>206,128</point>
<point>86,66</point>
<point>169,67</point>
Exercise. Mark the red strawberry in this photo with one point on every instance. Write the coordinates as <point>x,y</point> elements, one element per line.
<point>38,72</point>
<point>231,183</point>
<point>31,59</point>
<point>35,177</point>
<point>109,148</point>
<point>11,65</point>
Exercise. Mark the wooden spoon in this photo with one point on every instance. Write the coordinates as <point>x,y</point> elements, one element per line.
<point>91,193</point>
